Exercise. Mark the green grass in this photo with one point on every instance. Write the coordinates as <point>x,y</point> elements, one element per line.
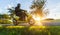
<point>29,30</point>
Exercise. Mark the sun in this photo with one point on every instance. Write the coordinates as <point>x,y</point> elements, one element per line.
<point>37,19</point>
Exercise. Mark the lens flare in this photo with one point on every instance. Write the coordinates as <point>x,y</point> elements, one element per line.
<point>37,19</point>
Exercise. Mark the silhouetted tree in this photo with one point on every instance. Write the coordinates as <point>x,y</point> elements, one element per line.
<point>11,11</point>
<point>39,6</point>
<point>6,16</point>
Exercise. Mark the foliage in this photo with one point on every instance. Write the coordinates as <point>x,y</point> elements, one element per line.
<point>5,21</point>
<point>39,6</point>
<point>11,10</point>
<point>5,16</point>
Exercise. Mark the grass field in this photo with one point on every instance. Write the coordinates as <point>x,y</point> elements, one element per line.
<point>30,30</point>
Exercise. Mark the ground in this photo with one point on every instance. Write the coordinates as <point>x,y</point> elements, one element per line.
<point>29,30</point>
<point>48,28</point>
<point>44,23</point>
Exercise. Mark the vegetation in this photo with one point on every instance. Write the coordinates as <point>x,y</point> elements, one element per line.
<point>39,6</point>
<point>5,16</point>
<point>5,21</point>
<point>31,30</point>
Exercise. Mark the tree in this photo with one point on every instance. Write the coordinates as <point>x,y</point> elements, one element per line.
<point>11,11</point>
<point>6,16</point>
<point>39,6</point>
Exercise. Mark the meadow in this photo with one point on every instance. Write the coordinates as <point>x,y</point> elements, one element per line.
<point>29,30</point>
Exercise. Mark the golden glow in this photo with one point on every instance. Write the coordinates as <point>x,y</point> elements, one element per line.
<point>37,19</point>
<point>14,26</point>
<point>37,28</point>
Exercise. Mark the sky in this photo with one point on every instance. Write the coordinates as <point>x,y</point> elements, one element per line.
<point>52,5</point>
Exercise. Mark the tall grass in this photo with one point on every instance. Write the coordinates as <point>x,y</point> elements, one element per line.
<point>29,30</point>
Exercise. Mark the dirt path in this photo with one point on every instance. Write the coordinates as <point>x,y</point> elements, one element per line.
<point>43,23</point>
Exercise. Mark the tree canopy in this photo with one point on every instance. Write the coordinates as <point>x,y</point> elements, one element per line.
<point>39,6</point>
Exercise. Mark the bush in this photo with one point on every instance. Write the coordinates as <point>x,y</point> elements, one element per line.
<point>5,21</point>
